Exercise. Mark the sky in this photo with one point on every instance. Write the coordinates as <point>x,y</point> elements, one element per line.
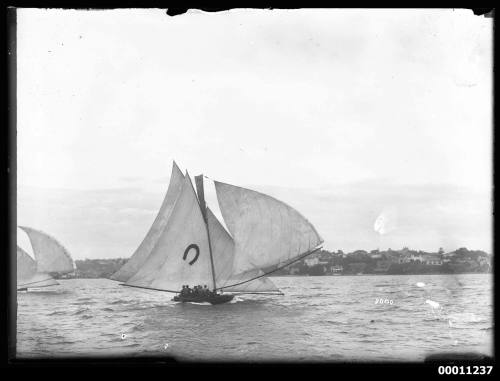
<point>345,115</point>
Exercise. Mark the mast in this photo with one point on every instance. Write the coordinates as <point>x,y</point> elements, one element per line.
<point>201,198</point>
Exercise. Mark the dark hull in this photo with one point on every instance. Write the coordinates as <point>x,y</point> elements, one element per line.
<point>213,299</point>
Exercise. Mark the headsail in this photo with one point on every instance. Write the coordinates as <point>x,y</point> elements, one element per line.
<point>26,266</point>
<point>27,275</point>
<point>223,251</point>
<point>181,254</point>
<point>144,250</point>
<point>266,232</point>
<point>50,255</point>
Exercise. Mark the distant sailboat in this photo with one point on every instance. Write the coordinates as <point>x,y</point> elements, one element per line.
<point>50,257</point>
<point>187,245</point>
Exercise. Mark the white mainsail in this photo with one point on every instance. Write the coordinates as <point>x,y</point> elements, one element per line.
<point>266,231</point>
<point>223,257</point>
<point>147,245</point>
<point>50,255</point>
<point>181,254</point>
<point>27,275</point>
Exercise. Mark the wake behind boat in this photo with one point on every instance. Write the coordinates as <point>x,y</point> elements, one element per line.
<point>187,245</point>
<point>51,258</point>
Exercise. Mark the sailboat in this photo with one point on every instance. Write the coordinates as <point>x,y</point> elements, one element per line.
<point>188,245</point>
<point>50,258</point>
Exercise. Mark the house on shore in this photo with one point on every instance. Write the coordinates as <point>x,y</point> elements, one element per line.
<point>432,259</point>
<point>410,257</point>
<point>311,261</point>
<point>336,269</point>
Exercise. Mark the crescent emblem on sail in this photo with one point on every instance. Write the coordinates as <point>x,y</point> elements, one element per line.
<point>196,248</point>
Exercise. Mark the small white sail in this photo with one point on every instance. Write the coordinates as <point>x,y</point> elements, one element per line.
<point>266,231</point>
<point>144,250</point>
<point>223,249</point>
<point>50,255</point>
<point>27,275</point>
<point>223,255</point>
<point>181,255</point>
<point>26,266</point>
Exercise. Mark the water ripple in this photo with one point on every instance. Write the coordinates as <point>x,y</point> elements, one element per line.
<point>326,317</point>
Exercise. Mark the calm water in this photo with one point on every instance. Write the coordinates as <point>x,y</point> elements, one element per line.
<point>331,318</point>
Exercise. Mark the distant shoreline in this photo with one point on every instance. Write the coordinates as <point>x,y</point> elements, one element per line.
<point>320,276</point>
<point>323,276</point>
<point>355,275</point>
<point>325,263</point>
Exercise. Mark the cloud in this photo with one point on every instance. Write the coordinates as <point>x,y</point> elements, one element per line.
<point>131,179</point>
<point>339,113</point>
